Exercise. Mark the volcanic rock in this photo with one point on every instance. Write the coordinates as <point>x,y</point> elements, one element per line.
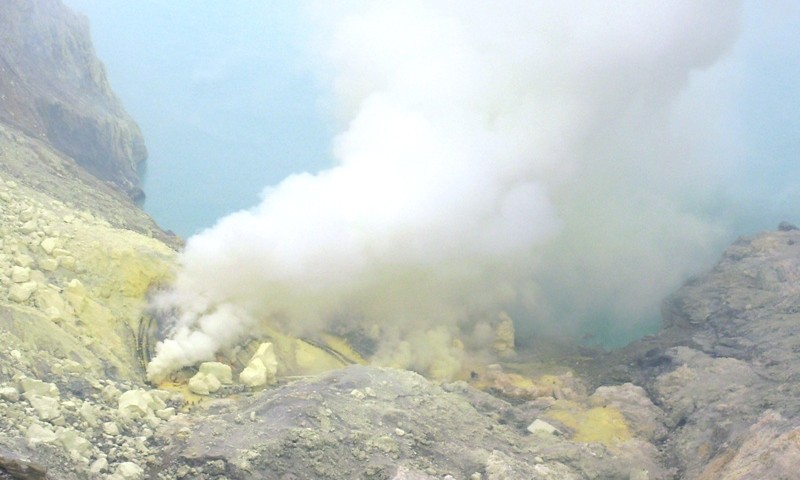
<point>55,88</point>
<point>728,374</point>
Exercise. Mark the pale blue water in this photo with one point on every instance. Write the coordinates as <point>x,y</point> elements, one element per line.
<point>219,89</point>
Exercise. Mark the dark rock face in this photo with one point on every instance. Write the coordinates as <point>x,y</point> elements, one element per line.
<point>15,467</point>
<point>53,88</point>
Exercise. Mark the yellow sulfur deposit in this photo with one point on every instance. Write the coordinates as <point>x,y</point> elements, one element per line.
<point>604,425</point>
<point>517,386</point>
<point>342,348</point>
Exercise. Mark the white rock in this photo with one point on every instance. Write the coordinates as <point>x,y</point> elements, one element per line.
<point>48,264</point>
<point>165,413</point>
<point>110,393</point>
<point>71,366</point>
<point>24,260</point>
<point>540,426</point>
<point>404,473</point>
<point>48,245</point>
<point>20,274</point>
<point>29,227</point>
<point>139,403</point>
<point>262,367</point>
<point>98,466</point>
<point>204,383</point>
<point>66,261</point>
<point>47,298</point>
<point>129,471</point>
<point>266,353</point>
<point>152,421</point>
<point>111,428</point>
<point>255,374</point>
<point>89,414</point>
<point>9,394</point>
<point>356,393</point>
<point>32,386</point>
<point>37,434</point>
<point>47,408</point>
<point>221,371</point>
<point>163,396</point>
<point>76,287</point>
<point>20,292</point>
<point>54,314</point>
<point>74,443</point>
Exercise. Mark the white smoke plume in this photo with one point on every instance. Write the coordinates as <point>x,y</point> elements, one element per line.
<point>515,155</point>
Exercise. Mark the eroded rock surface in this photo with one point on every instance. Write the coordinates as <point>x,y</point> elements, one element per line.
<point>369,422</point>
<point>726,369</point>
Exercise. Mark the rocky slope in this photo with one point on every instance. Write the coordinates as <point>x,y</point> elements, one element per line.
<point>718,396</point>
<point>715,395</point>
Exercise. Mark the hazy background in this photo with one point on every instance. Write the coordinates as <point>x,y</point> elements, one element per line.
<point>228,104</point>
<point>222,93</point>
<point>567,162</point>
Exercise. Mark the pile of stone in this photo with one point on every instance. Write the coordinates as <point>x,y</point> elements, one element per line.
<point>260,371</point>
<point>105,429</point>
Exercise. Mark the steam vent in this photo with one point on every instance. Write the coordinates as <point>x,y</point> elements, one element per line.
<point>128,353</point>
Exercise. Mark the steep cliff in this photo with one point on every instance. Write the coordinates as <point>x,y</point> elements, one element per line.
<point>53,88</point>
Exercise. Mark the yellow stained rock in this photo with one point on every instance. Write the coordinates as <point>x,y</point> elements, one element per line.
<point>504,336</point>
<point>343,348</point>
<point>310,359</point>
<point>299,357</point>
<point>518,386</point>
<point>604,425</point>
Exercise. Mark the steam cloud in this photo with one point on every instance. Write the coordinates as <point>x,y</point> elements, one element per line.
<point>516,155</point>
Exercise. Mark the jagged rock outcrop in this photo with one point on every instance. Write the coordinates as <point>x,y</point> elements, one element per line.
<point>726,368</point>
<point>54,89</point>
